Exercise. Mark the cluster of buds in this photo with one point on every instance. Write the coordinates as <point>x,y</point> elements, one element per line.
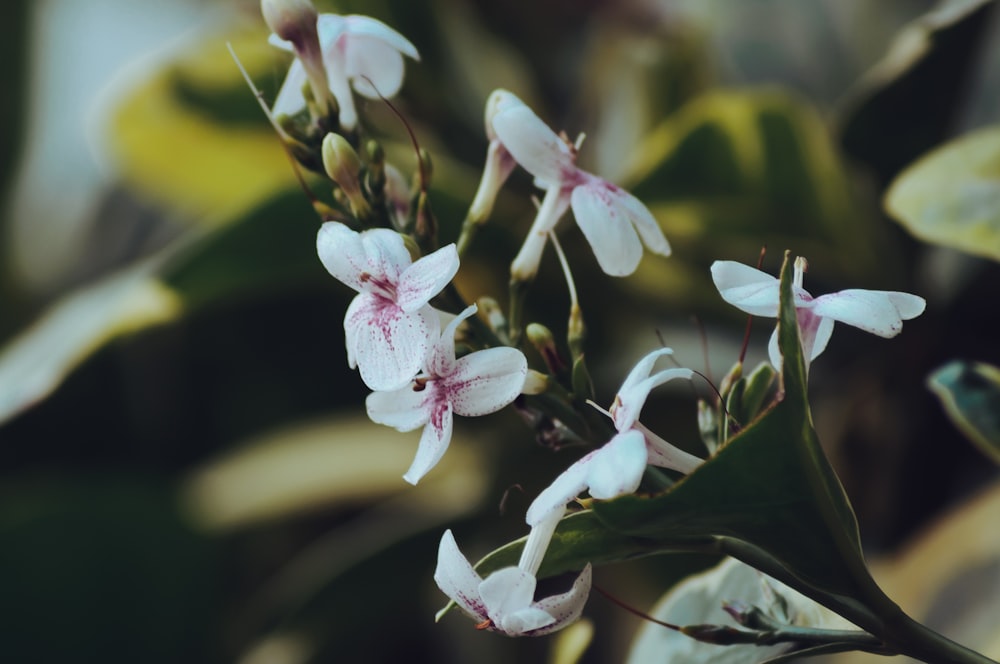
<point>384,246</point>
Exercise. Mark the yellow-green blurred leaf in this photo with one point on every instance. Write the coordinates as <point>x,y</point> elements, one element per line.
<point>34,363</point>
<point>570,644</point>
<point>970,394</point>
<point>345,461</point>
<point>951,196</point>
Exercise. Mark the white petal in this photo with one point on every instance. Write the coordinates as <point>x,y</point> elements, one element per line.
<point>535,147</point>
<point>815,332</point>
<point>486,381</point>
<point>290,100</point>
<point>872,311</point>
<point>629,403</point>
<point>404,409</point>
<point>563,489</point>
<point>909,306</point>
<point>457,579</point>
<point>617,467</point>
<point>366,26</point>
<point>388,344</point>
<point>524,622</point>
<point>607,227</point>
<point>426,277</point>
<point>362,260</point>
<point>330,27</point>
<point>374,68</point>
<point>539,539</point>
<point>507,591</point>
<point>643,368</point>
<point>568,606</point>
<point>746,288</point>
<point>662,454</point>
<point>644,221</point>
<point>433,442</point>
<point>441,359</point>
<point>499,100</point>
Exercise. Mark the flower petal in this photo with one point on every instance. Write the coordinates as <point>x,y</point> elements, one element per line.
<point>616,469</point>
<point>539,539</point>
<point>426,278</point>
<point>535,147</point>
<point>404,409</point>
<point>570,483</point>
<point>486,381</point>
<point>815,333</point>
<point>388,344</point>
<point>457,579</point>
<point>644,221</point>
<point>607,227</point>
<point>290,100</point>
<point>370,261</point>
<point>872,311</point>
<point>507,590</point>
<point>662,454</point>
<point>366,26</point>
<point>629,403</point>
<point>441,359</point>
<point>643,368</point>
<point>374,68</point>
<point>746,288</point>
<point>567,607</point>
<point>433,442</point>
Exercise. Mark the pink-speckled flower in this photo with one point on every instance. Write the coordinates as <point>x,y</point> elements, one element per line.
<point>504,602</point>
<point>756,293</point>
<point>615,223</point>
<point>389,326</point>
<point>480,383</point>
<point>356,51</point>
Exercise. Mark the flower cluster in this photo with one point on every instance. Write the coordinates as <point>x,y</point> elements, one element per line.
<point>394,334</point>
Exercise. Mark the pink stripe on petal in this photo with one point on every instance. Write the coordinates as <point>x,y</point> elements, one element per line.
<point>486,381</point>
<point>457,579</point>
<point>433,441</point>
<point>426,278</point>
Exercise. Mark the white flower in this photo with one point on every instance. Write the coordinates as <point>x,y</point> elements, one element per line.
<point>504,602</point>
<point>616,468</point>
<point>499,162</point>
<point>479,383</point>
<point>756,293</point>
<point>357,51</point>
<point>389,326</point>
<point>612,220</point>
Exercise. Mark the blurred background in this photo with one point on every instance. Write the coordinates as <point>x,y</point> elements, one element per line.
<point>186,471</point>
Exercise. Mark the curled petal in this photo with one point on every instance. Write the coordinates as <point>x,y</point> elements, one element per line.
<point>507,594</point>
<point>426,277</point>
<point>629,403</point>
<point>607,227</point>
<point>433,441</point>
<point>441,360</point>
<point>662,454</point>
<point>570,483</point>
<point>374,68</point>
<point>366,26</point>
<point>387,343</point>
<point>536,147</point>
<point>746,288</point>
<point>290,100</point>
<point>877,312</point>
<point>499,100</point>
<point>643,368</point>
<point>567,607</point>
<point>487,380</point>
<point>644,221</point>
<point>457,579</point>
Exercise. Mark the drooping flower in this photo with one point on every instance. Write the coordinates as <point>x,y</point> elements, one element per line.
<point>499,162</point>
<point>504,602</point>
<point>357,51</point>
<point>480,383</point>
<point>756,293</point>
<point>615,223</point>
<point>389,327</point>
<point>616,468</point>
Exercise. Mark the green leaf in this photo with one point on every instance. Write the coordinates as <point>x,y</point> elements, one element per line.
<point>908,101</point>
<point>970,394</point>
<point>951,196</point>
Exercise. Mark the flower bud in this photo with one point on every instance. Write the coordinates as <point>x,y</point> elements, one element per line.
<point>535,382</point>
<point>292,20</point>
<point>543,341</point>
<point>344,167</point>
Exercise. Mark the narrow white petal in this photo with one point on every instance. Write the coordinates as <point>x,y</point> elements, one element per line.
<point>872,311</point>
<point>374,68</point>
<point>388,344</point>
<point>617,467</point>
<point>457,579</point>
<point>607,227</point>
<point>814,331</point>
<point>662,454</point>
<point>404,409</point>
<point>644,221</point>
<point>567,607</point>
<point>506,592</point>
<point>643,368</point>
<point>341,252</point>
<point>441,359</point>
<point>426,278</point>
<point>773,352</point>
<point>486,381</point>
<point>433,442</point>
<point>563,489</point>
<point>499,100</point>
<point>629,403</point>
<point>366,26</point>
<point>746,288</point>
<point>290,100</point>
<point>535,147</point>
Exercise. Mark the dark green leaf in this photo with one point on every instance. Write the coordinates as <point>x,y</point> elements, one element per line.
<point>970,394</point>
